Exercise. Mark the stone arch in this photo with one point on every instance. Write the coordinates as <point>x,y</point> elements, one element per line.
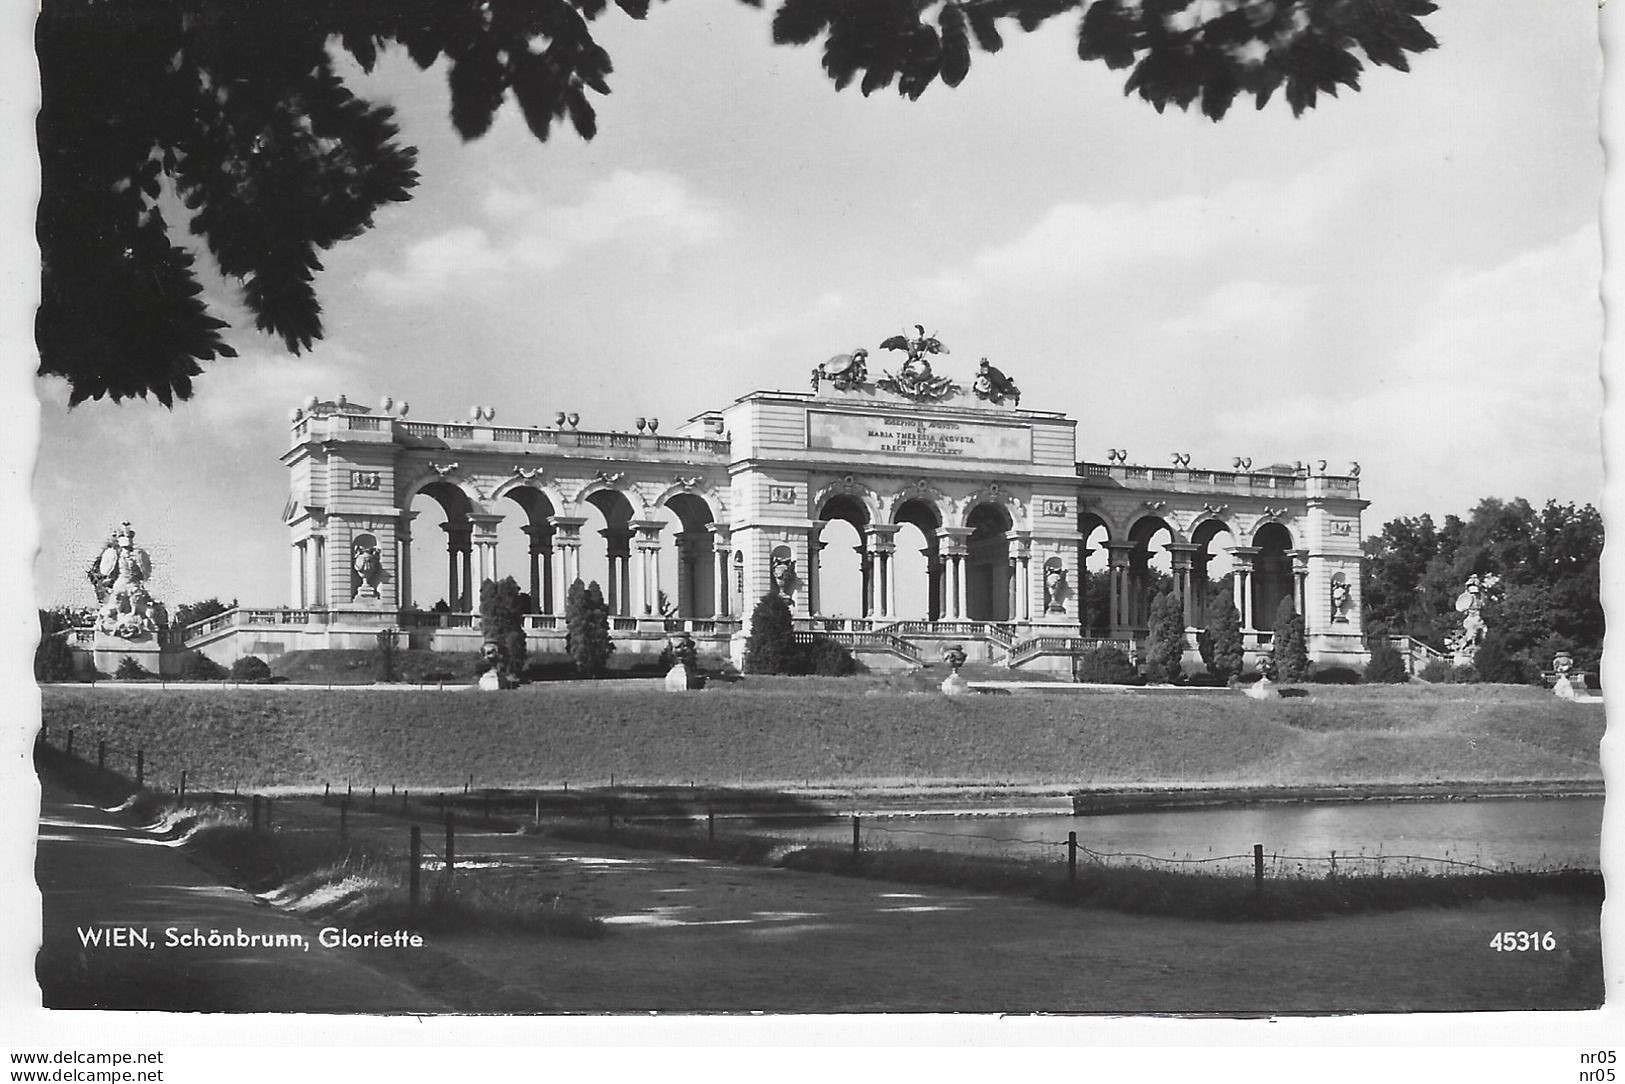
<point>1144,573</point>
<point>687,556</point>
<point>615,507</point>
<point>532,538</point>
<point>988,579</point>
<point>917,557</point>
<point>920,492</point>
<point>1095,532</point>
<point>457,508</point>
<point>1271,571</point>
<point>593,494</point>
<point>1210,563</point>
<point>995,494</point>
<point>842,564</point>
<point>853,489</point>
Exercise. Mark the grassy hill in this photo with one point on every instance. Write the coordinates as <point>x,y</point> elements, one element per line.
<point>828,732</point>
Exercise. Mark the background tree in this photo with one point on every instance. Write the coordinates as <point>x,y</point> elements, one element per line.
<point>586,622</point>
<point>231,119</point>
<point>771,646</point>
<point>1549,596</point>
<point>1288,648</point>
<point>502,620</point>
<point>1165,646</point>
<point>1226,655</point>
<point>1386,665</point>
<point>188,612</point>
<point>53,658</point>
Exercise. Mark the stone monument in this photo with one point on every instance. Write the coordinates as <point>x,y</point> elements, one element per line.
<point>1470,604</point>
<point>129,621</point>
<point>683,675</point>
<point>954,684</point>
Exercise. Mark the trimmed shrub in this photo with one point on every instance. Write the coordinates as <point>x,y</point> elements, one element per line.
<point>1206,681</point>
<point>1386,665</point>
<point>1289,650</point>
<point>586,621</point>
<point>771,647</point>
<point>251,668</point>
<point>1442,672</point>
<point>1340,675</point>
<point>196,666</point>
<point>1165,646</point>
<point>827,658</point>
<point>1105,666</point>
<point>502,621</point>
<point>130,670</point>
<point>1226,654</point>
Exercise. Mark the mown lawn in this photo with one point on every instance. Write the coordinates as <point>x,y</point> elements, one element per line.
<point>788,732</point>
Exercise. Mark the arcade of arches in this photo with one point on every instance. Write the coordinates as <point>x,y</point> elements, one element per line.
<point>877,515</point>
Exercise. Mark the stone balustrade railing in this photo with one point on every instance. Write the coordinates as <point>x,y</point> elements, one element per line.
<point>484,432</point>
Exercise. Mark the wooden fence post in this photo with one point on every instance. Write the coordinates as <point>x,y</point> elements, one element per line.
<point>374,798</point>
<point>140,767</point>
<point>415,860</point>
<point>101,755</point>
<point>183,784</point>
<point>1258,866</point>
<point>451,845</point>
<point>1072,858</point>
<point>711,825</point>
<point>538,813</point>
<point>344,816</point>
<point>325,791</point>
<point>267,812</point>
<point>254,814</point>
<point>70,741</point>
<point>855,838</point>
<point>404,795</point>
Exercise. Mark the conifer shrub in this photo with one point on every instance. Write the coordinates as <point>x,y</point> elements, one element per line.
<point>130,670</point>
<point>586,620</point>
<point>1289,649</point>
<point>1165,646</point>
<point>1226,656</point>
<point>1386,665</point>
<point>827,658</point>
<point>196,666</point>
<point>771,647</point>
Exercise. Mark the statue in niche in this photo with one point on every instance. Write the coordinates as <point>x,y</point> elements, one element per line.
<point>1340,600</point>
<point>368,563</point>
<point>784,576</point>
<point>845,371</point>
<point>993,386</point>
<point>1056,589</point>
<point>119,575</point>
<point>915,380</point>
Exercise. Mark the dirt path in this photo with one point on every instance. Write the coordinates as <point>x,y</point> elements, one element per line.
<point>96,874</point>
<point>689,935</point>
<point>698,936</point>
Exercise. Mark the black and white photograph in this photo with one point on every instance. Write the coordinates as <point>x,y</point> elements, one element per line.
<point>981,523</point>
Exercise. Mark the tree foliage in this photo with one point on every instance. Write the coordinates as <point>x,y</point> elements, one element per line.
<point>1386,666</point>
<point>1548,597</point>
<point>1288,648</point>
<point>188,612</point>
<point>1165,644</point>
<point>53,658</point>
<point>1104,666</point>
<point>586,623</point>
<point>502,620</point>
<point>1226,655</point>
<point>771,645</point>
<point>227,119</point>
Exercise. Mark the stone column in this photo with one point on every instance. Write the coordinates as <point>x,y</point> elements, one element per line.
<point>1183,557</point>
<point>1118,564</point>
<point>814,576</point>
<point>403,559</point>
<point>1300,578</point>
<point>647,601</point>
<point>880,537</point>
<point>567,544</point>
<point>721,548</point>
<point>1242,568</point>
<point>952,546</point>
<point>318,579</point>
<point>297,595</point>
<point>617,547</point>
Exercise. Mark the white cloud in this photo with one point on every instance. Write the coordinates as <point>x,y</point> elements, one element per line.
<point>651,214</point>
<point>1246,312</point>
<point>1076,243</point>
<point>1498,394</point>
<point>752,340</point>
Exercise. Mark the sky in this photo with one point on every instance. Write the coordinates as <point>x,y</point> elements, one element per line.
<point>1406,277</point>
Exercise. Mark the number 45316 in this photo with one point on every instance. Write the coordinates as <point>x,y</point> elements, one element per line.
<point>1523,941</point>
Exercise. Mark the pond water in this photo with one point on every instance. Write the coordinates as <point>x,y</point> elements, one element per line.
<point>1527,833</point>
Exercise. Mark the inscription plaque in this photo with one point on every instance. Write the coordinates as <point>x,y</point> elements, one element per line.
<point>900,434</point>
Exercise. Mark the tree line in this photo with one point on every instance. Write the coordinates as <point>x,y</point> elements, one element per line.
<point>1546,595</point>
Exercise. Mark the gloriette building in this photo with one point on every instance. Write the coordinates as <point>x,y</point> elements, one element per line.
<point>898,509</point>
